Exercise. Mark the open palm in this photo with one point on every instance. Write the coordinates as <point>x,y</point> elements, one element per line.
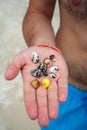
<point>41,103</point>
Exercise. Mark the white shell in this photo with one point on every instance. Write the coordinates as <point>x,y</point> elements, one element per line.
<point>54,69</point>
<point>52,75</point>
<point>35,57</point>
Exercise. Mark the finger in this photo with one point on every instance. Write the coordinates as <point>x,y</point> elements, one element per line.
<point>42,107</point>
<point>13,69</point>
<point>62,89</point>
<point>53,100</point>
<point>30,98</point>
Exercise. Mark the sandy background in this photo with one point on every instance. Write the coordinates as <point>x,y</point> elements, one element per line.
<point>12,110</point>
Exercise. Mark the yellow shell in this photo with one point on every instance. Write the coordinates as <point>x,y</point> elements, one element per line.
<point>46,83</point>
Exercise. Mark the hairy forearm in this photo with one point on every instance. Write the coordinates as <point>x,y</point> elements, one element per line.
<point>37,29</point>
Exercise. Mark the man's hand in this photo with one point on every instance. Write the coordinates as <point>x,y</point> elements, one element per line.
<point>41,103</point>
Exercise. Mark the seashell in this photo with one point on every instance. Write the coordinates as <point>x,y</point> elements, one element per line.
<point>47,62</point>
<point>46,83</point>
<point>42,66</point>
<point>45,73</point>
<point>52,58</point>
<point>35,83</point>
<point>54,69</point>
<point>36,73</point>
<point>35,57</point>
<point>53,75</point>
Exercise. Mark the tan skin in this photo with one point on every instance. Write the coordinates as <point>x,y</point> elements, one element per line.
<point>72,40</point>
<point>42,104</point>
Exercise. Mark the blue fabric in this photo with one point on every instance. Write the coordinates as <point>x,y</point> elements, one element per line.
<point>73,113</point>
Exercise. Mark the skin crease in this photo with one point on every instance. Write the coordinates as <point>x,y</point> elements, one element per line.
<point>71,39</point>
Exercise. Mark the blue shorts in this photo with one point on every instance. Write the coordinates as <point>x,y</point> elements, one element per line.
<point>73,113</point>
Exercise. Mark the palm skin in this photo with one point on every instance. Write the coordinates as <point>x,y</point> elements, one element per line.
<point>41,103</point>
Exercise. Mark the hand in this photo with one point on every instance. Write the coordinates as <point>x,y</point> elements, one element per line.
<point>41,103</point>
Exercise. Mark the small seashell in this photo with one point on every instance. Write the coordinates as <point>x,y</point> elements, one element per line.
<point>45,73</point>
<point>47,62</point>
<point>35,57</point>
<point>54,69</point>
<point>42,66</point>
<point>52,75</point>
<point>52,58</point>
<point>35,83</point>
<point>46,83</point>
<point>36,73</point>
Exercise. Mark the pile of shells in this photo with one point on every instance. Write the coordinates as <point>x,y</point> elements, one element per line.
<point>42,68</point>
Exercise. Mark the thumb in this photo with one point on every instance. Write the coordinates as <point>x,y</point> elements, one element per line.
<point>13,68</point>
